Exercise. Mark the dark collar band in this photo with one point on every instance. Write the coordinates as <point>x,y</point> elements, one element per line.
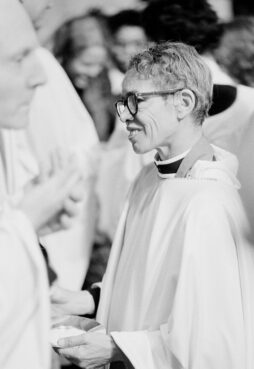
<point>168,168</point>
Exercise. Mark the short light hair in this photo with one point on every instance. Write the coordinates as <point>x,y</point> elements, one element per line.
<point>176,65</point>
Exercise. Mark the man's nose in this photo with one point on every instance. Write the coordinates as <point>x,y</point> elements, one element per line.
<point>37,76</point>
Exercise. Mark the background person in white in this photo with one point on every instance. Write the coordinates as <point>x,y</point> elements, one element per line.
<point>178,290</point>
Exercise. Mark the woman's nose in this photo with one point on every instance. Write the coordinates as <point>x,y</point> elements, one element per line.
<point>126,116</point>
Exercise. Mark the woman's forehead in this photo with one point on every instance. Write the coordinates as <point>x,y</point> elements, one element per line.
<point>134,82</point>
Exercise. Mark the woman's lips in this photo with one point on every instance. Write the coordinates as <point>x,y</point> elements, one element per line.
<point>133,132</point>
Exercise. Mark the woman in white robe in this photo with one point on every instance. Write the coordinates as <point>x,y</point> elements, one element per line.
<point>178,290</point>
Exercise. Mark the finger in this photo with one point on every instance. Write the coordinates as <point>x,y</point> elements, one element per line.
<point>62,157</point>
<point>72,341</point>
<point>66,221</point>
<point>70,207</point>
<point>69,178</point>
<point>44,171</point>
<point>70,354</point>
<point>61,185</point>
<point>77,192</point>
<point>63,320</point>
<point>89,324</point>
<point>69,320</point>
<point>51,227</point>
<point>57,160</point>
<point>68,171</point>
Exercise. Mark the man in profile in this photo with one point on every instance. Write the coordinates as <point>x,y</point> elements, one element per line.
<point>24,300</point>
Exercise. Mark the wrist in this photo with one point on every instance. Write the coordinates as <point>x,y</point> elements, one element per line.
<point>88,302</point>
<point>94,292</point>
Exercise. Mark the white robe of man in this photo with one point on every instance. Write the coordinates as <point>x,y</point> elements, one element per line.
<point>24,295</point>
<point>24,290</point>
<point>59,120</point>
<point>178,291</point>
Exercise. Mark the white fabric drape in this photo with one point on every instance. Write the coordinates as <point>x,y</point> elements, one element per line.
<point>59,120</point>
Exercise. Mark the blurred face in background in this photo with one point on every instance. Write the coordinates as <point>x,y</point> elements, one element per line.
<point>20,72</point>
<point>129,40</point>
<point>36,10</point>
<point>87,32</point>
<point>86,65</point>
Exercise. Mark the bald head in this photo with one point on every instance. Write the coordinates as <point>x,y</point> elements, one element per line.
<point>36,10</point>
<point>20,72</point>
<point>13,22</point>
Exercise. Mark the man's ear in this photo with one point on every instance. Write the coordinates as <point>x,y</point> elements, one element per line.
<point>184,102</point>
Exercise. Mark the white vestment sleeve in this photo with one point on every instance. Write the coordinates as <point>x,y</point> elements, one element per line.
<point>24,295</point>
<point>207,327</point>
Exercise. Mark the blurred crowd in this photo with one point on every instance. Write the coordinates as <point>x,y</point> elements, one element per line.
<point>70,169</point>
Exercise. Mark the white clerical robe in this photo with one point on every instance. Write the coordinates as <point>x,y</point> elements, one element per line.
<point>24,291</point>
<point>24,295</point>
<point>178,291</point>
<point>58,119</point>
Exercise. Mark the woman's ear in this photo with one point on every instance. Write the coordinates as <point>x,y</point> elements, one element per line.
<point>184,102</point>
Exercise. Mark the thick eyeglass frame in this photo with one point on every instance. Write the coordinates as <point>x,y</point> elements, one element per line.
<point>138,97</point>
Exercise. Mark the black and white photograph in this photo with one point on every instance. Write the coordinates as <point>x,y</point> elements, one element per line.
<point>126,184</point>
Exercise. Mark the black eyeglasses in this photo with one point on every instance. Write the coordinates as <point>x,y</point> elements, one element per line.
<point>132,99</point>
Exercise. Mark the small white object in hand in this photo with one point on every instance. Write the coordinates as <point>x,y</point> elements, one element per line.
<point>63,331</point>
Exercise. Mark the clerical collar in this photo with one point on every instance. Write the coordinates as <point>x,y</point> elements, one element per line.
<point>169,166</point>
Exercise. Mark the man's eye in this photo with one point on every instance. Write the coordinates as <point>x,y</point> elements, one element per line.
<point>20,57</point>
